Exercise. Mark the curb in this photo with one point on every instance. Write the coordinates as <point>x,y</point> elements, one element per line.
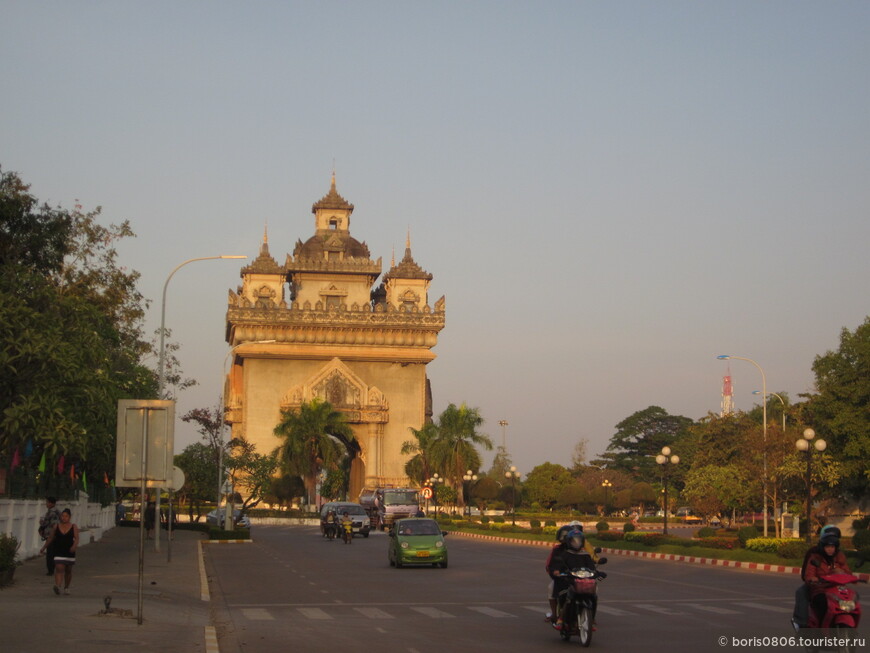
<point>673,557</point>
<point>227,541</point>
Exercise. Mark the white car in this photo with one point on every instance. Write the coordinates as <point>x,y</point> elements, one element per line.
<point>216,518</point>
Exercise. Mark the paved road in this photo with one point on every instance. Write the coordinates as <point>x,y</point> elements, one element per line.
<point>292,587</point>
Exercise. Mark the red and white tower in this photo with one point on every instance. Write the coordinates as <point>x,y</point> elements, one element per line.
<point>727,395</point>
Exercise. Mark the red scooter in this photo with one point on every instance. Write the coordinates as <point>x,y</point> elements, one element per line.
<point>579,601</point>
<point>844,610</point>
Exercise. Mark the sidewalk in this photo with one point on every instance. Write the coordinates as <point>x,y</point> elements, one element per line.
<point>175,616</point>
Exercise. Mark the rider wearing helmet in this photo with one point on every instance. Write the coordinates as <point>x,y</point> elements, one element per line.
<point>571,553</point>
<point>821,560</point>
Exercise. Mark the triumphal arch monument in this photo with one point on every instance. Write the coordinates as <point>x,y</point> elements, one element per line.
<point>327,324</point>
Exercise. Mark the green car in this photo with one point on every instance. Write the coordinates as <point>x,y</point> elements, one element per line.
<point>417,541</point>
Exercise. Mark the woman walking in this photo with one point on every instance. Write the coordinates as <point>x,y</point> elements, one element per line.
<point>65,540</point>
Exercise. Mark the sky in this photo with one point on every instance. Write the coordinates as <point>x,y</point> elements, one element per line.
<point>608,194</point>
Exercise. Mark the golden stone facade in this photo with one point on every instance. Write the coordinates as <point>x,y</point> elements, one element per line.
<point>318,327</point>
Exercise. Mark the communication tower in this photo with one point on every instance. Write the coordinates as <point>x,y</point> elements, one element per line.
<point>727,395</point>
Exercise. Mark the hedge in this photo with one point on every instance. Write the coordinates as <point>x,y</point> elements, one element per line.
<point>769,544</point>
<point>718,542</point>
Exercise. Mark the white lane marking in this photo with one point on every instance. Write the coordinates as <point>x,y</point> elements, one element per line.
<point>257,614</point>
<point>490,612</point>
<point>769,608</point>
<point>714,609</point>
<point>607,609</point>
<point>314,613</point>
<point>374,613</point>
<point>658,609</point>
<point>434,613</point>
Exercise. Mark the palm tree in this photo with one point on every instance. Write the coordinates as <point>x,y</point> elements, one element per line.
<point>418,468</point>
<point>454,451</point>
<point>314,437</point>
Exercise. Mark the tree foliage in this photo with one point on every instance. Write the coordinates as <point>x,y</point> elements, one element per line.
<point>545,482</point>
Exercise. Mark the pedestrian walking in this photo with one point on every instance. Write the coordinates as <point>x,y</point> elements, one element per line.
<point>64,539</point>
<point>150,516</point>
<point>46,526</point>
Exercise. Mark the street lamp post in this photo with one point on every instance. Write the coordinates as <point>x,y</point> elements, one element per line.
<point>161,362</point>
<point>726,357</point>
<point>468,478</point>
<point>433,483</point>
<point>781,400</point>
<point>606,484</point>
<point>512,474</point>
<point>806,444</point>
<point>665,459</point>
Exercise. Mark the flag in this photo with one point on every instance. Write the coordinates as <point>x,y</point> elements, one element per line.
<point>72,472</point>
<point>60,465</point>
<point>85,481</point>
<point>28,448</point>
<point>106,479</point>
<point>16,459</point>
<point>42,463</point>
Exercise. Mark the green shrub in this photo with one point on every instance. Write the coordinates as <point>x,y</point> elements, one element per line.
<point>609,536</point>
<point>649,539</point>
<point>792,549</point>
<point>550,530</point>
<point>746,533</point>
<point>861,542</point>
<point>535,523</point>
<point>498,519</point>
<point>718,542</point>
<point>628,527</point>
<point>707,531</point>
<point>484,520</point>
<point>9,551</point>
<point>550,522</point>
<point>537,530</point>
<point>602,526</point>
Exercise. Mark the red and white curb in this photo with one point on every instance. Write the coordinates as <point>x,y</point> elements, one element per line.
<point>673,557</point>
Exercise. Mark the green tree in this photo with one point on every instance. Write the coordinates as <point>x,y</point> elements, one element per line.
<point>572,496</point>
<point>545,482</point>
<point>485,490</point>
<point>200,474</point>
<point>418,467</point>
<point>251,473</point>
<point>501,463</point>
<point>642,494</point>
<point>454,449</point>
<point>714,489</point>
<point>840,410</point>
<point>284,489</point>
<point>640,437</point>
<point>314,437</point>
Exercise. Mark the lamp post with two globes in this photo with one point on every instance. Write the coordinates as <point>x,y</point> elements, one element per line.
<point>666,459</point>
<point>468,478</point>
<point>513,475</point>
<point>806,444</point>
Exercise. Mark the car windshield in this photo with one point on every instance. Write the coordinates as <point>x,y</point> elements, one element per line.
<point>427,527</point>
<point>350,510</point>
<point>400,498</point>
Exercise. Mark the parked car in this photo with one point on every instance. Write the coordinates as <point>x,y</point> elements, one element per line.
<point>417,541</point>
<point>217,517</point>
<point>361,521</point>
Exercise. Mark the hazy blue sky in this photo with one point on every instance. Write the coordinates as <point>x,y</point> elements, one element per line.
<point>609,194</point>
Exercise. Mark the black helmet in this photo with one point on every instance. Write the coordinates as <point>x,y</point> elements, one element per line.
<point>567,528</point>
<point>829,538</point>
<point>575,540</point>
<point>830,529</point>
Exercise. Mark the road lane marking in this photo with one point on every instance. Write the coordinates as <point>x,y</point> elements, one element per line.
<point>490,612</point>
<point>314,613</point>
<point>606,609</point>
<point>374,613</point>
<point>658,609</point>
<point>714,609</point>
<point>257,614</point>
<point>434,613</point>
<point>769,608</point>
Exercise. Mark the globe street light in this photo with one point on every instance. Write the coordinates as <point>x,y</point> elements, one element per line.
<point>728,357</point>
<point>606,485</point>
<point>665,459</point>
<point>803,444</point>
<point>468,478</point>
<point>513,475</point>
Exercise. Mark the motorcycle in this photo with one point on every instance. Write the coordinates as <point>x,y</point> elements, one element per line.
<point>578,603</point>
<point>843,609</point>
<point>329,531</point>
<point>347,532</point>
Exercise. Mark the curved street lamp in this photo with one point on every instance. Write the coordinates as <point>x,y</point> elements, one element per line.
<point>513,475</point>
<point>666,459</point>
<point>806,443</point>
<point>781,400</point>
<point>728,357</point>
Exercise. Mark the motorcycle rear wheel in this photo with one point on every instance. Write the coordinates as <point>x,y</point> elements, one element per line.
<point>584,626</point>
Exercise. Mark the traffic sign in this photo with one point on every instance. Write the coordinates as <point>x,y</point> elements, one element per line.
<point>426,492</point>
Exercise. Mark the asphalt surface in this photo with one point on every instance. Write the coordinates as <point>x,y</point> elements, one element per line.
<point>175,610</point>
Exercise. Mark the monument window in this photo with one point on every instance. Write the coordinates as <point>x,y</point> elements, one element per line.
<point>333,302</point>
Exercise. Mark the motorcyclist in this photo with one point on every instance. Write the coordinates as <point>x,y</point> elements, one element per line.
<point>820,560</point>
<point>329,524</point>
<point>569,555</point>
<point>560,538</point>
<point>347,523</point>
